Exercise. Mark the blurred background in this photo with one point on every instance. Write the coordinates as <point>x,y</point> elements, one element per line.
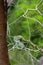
<point>25,31</point>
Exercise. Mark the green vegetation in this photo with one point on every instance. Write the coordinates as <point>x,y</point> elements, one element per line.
<point>25,19</point>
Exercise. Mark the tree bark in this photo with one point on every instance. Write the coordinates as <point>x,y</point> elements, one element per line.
<point>4,60</point>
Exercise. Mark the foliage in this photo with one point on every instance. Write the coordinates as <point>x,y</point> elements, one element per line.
<point>25,18</point>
